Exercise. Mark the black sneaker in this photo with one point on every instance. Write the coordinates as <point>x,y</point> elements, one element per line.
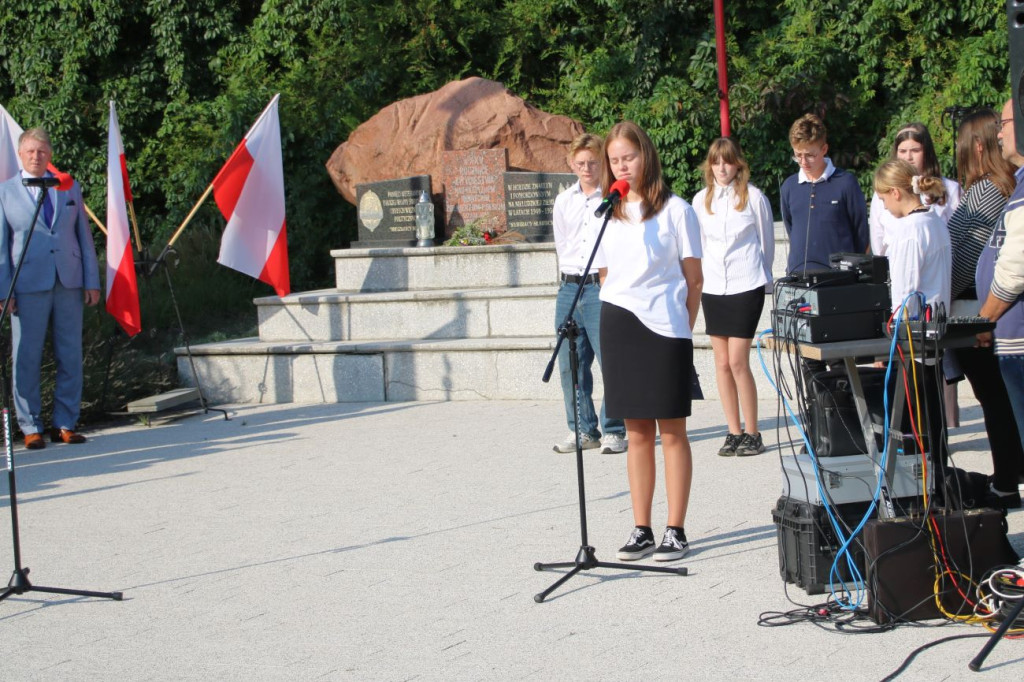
<point>673,545</point>
<point>639,545</point>
<point>749,445</point>
<point>732,441</point>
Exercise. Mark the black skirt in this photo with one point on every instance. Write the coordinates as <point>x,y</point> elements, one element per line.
<point>734,315</point>
<point>646,375</point>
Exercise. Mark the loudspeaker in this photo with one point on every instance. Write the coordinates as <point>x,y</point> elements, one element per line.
<point>1015,25</point>
<point>902,564</point>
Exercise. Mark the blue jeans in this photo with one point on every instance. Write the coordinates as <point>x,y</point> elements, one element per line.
<point>588,346</point>
<point>1012,369</point>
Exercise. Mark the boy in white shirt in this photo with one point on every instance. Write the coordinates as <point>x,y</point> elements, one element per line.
<point>574,242</point>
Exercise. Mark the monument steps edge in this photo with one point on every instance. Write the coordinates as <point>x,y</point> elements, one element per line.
<point>322,296</point>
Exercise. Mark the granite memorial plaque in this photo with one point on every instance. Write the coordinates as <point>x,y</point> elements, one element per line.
<point>529,200</point>
<point>387,211</point>
<point>474,189</point>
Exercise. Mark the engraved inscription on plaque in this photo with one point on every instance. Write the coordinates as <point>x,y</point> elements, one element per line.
<point>529,200</point>
<point>474,188</point>
<point>387,210</point>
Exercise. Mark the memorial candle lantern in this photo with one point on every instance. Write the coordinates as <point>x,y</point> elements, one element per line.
<point>424,220</point>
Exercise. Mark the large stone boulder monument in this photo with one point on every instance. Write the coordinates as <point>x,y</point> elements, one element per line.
<point>412,136</point>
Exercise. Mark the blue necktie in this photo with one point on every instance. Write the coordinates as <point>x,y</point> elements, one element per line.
<point>47,207</point>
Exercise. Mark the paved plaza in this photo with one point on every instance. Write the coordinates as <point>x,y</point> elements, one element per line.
<point>397,542</point>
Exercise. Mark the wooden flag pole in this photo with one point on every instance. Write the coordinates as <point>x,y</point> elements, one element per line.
<point>135,225</point>
<point>181,229</point>
<point>190,215</point>
<point>88,211</point>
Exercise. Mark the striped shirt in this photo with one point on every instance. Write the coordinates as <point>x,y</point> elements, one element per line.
<point>1001,272</point>
<point>969,230</point>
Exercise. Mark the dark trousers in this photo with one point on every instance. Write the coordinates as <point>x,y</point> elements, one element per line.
<point>981,367</point>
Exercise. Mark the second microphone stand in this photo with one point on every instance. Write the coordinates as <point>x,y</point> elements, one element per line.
<point>586,557</point>
<point>19,582</point>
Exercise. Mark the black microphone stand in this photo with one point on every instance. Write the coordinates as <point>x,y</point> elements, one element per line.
<point>990,644</point>
<point>161,260</point>
<point>586,559</point>
<point>19,583</point>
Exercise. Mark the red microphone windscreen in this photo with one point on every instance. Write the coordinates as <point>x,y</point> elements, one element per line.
<point>65,178</point>
<point>621,186</point>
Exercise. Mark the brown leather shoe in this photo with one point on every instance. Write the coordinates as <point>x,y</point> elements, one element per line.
<point>66,436</point>
<point>34,441</point>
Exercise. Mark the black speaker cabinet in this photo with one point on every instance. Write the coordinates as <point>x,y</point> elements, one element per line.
<point>1015,25</point>
<point>902,568</point>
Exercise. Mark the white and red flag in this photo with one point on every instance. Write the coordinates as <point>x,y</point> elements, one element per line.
<point>249,191</point>
<point>10,131</point>
<point>122,287</point>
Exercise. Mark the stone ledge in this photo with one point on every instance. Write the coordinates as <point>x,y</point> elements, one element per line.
<point>322,296</point>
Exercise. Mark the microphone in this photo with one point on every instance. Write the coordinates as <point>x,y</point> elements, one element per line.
<point>619,189</point>
<point>65,181</point>
<point>45,181</point>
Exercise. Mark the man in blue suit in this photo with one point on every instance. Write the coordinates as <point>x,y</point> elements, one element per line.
<point>59,277</point>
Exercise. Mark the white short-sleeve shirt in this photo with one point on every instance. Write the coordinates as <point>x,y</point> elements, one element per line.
<point>920,259</point>
<point>643,257</point>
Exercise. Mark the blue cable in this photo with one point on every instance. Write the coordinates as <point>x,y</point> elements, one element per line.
<point>836,526</point>
<point>859,588</point>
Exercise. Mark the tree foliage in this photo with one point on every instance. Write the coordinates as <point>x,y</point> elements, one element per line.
<point>189,78</point>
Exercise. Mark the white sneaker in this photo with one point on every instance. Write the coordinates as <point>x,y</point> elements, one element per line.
<point>612,443</point>
<point>569,444</point>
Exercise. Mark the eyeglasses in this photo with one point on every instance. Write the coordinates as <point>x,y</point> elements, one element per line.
<point>583,165</point>
<point>804,157</point>
<point>1004,122</point>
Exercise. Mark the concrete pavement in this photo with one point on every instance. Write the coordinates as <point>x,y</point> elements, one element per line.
<point>396,542</point>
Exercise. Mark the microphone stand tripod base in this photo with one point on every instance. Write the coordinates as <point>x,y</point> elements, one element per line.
<point>586,560</point>
<point>20,584</point>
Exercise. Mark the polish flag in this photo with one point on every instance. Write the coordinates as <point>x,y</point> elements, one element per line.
<point>249,191</point>
<point>122,287</point>
<point>10,131</point>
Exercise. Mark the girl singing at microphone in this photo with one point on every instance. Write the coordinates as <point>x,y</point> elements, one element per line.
<point>650,288</point>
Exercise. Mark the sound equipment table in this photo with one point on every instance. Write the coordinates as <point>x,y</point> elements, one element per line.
<point>849,352</point>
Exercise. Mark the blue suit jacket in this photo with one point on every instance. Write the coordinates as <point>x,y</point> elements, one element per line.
<point>65,250</point>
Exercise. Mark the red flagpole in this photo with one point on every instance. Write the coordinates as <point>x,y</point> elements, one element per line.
<point>723,76</point>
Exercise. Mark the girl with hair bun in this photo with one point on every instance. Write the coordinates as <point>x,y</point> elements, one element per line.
<point>920,260</point>
<point>919,251</point>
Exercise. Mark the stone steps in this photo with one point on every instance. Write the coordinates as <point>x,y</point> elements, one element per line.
<point>328,315</point>
<point>440,323</point>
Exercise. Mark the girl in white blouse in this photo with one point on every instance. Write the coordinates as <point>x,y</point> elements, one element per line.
<point>913,144</point>
<point>738,241</point>
<point>920,263</point>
